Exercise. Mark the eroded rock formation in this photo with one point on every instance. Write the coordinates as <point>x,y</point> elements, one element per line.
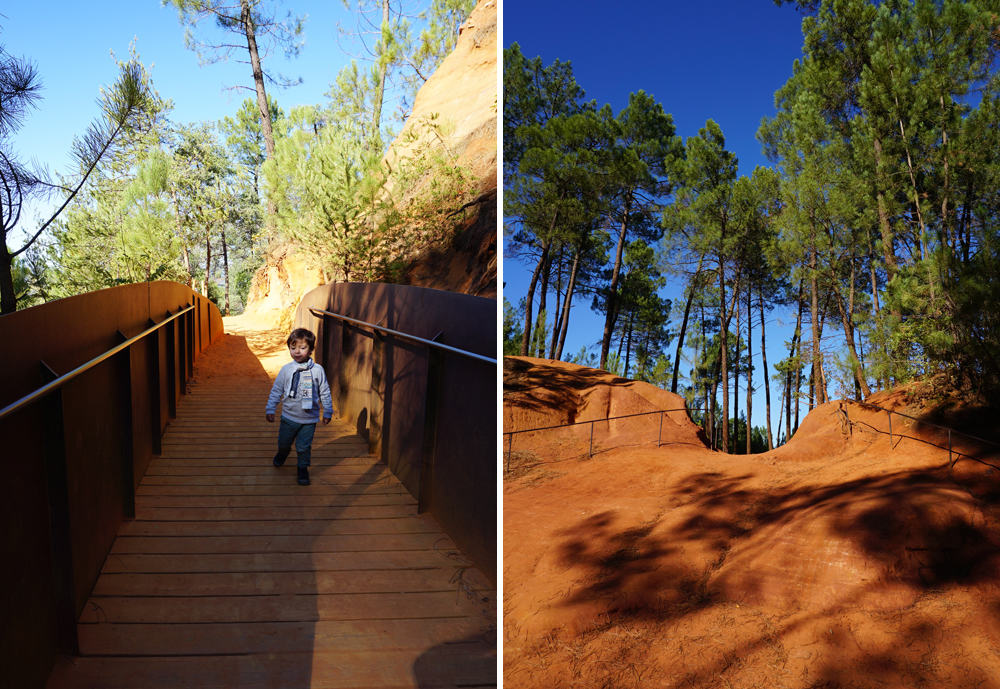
<point>460,98</point>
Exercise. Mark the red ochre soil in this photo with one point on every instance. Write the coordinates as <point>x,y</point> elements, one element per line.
<point>837,560</point>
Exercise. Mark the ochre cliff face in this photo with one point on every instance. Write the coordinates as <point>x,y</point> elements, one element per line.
<point>279,285</point>
<point>461,96</point>
<point>461,99</point>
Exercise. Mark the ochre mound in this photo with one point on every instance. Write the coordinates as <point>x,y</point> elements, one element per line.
<point>539,393</point>
<point>838,560</point>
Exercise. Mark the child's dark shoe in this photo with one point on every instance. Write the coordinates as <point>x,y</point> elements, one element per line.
<point>303,476</point>
<point>279,459</point>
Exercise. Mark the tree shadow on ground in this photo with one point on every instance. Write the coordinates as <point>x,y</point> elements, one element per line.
<point>535,385</point>
<point>920,529</point>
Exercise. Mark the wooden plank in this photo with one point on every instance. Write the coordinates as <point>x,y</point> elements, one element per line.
<point>323,471</point>
<point>282,488</point>
<point>213,434</point>
<point>472,664</point>
<point>300,500</point>
<point>274,637</point>
<point>271,479</point>
<point>261,454</point>
<point>298,607</point>
<point>278,562</point>
<point>268,513</point>
<point>414,524</point>
<point>260,583</point>
<point>327,458</point>
<point>280,544</point>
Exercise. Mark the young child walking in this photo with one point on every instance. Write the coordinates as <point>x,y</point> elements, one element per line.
<point>301,387</point>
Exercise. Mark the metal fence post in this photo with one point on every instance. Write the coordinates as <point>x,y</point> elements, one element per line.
<point>659,433</point>
<point>435,366</point>
<point>890,428</point>
<point>172,366</point>
<point>949,446</point>
<point>591,452</point>
<point>127,430</point>
<point>60,533</point>
<point>510,444</point>
<point>153,371</point>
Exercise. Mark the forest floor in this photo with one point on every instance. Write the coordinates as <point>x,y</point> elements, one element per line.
<point>842,559</point>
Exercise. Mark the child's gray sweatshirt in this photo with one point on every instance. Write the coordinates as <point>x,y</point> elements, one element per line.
<point>291,407</point>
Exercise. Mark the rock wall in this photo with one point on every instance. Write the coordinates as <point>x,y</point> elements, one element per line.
<point>278,287</point>
<point>461,99</point>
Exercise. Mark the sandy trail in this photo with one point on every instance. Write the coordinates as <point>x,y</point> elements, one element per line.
<point>838,560</point>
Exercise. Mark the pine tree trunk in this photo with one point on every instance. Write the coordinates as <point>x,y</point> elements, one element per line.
<point>612,300</point>
<point>8,300</point>
<point>208,260</point>
<point>767,383</point>
<point>812,386</point>
<point>180,235</point>
<point>888,249</point>
<point>557,311</point>
<point>266,128</point>
<point>946,191</point>
<point>225,268</point>
<point>380,86</point>
<point>821,372</point>
<point>528,322</point>
<point>701,357</point>
<point>543,315</point>
<point>715,408</point>
<point>186,255</point>
<point>797,346</point>
<point>567,304</point>
<point>724,354</point>
<point>814,297</point>
<point>684,323</point>
<point>246,19</point>
<point>845,319</point>
<point>736,379</point>
<point>781,414</point>
<point>750,366</point>
<point>628,346</point>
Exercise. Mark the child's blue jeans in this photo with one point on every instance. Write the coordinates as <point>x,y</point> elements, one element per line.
<point>302,434</point>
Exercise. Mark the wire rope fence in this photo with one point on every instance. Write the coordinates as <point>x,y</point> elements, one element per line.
<point>563,442</point>
<point>574,437</point>
<point>954,454</point>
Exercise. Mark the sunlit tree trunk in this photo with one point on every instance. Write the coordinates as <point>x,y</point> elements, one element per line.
<point>767,384</point>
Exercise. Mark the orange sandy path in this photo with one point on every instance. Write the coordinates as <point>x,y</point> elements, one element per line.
<point>835,561</point>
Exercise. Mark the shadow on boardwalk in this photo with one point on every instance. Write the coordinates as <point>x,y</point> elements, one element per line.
<point>232,575</point>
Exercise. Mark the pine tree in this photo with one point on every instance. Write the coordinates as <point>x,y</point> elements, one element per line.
<point>641,152</point>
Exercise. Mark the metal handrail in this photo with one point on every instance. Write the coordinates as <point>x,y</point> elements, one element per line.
<point>407,336</point>
<point>83,368</point>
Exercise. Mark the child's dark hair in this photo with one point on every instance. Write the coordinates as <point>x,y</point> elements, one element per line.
<point>302,334</point>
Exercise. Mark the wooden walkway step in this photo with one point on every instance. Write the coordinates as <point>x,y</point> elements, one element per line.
<point>232,575</point>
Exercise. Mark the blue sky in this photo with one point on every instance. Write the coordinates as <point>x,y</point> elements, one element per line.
<point>71,42</point>
<point>719,60</point>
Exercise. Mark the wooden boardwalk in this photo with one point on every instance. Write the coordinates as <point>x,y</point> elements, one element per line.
<point>232,575</point>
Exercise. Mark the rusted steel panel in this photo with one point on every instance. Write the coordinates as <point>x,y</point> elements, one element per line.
<point>94,459</point>
<point>29,634</point>
<point>64,500</point>
<point>380,384</point>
